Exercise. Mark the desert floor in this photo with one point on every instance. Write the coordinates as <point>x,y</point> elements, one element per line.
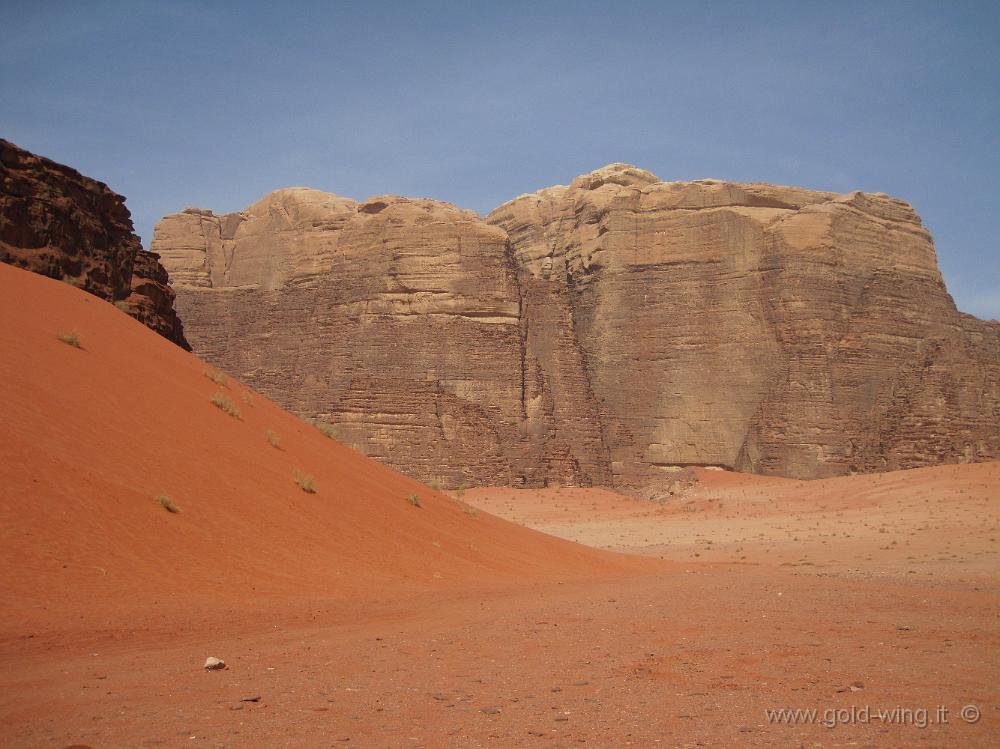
<point>874,593</point>
<point>350,617</point>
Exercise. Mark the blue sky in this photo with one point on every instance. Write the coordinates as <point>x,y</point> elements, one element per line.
<point>175,104</point>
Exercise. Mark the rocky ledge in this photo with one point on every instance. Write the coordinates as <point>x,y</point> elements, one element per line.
<point>56,222</point>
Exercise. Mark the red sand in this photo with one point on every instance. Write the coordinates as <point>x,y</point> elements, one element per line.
<point>923,522</point>
<point>92,436</point>
<point>360,620</point>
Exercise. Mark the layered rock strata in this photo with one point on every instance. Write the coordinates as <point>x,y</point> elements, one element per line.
<point>606,332</point>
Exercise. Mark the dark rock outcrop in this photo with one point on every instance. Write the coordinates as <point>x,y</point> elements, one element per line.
<point>56,222</point>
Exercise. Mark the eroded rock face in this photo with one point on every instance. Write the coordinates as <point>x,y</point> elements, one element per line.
<point>56,222</point>
<point>606,332</point>
<point>766,329</point>
<point>394,320</point>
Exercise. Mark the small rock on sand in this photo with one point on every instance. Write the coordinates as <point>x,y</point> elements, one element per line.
<point>214,664</point>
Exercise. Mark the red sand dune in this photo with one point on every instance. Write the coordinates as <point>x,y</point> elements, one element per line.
<point>349,617</point>
<point>93,435</point>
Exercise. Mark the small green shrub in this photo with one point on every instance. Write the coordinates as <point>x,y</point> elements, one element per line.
<point>272,438</point>
<point>224,403</point>
<point>414,500</point>
<point>306,482</point>
<point>167,503</point>
<point>219,378</point>
<point>472,512</point>
<point>70,339</point>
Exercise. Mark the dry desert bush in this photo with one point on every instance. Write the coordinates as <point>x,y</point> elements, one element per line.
<point>224,403</point>
<point>219,378</point>
<point>305,482</point>
<point>70,339</point>
<point>167,503</point>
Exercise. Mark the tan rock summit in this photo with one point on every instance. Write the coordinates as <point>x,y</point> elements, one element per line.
<point>605,332</point>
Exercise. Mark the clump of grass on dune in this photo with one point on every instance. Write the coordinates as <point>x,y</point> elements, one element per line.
<point>414,500</point>
<point>272,438</point>
<point>327,430</point>
<point>167,503</point>
<point>305,482</point>
<point>224,403</point>
<point>70,339</point>
<point>219,378</point>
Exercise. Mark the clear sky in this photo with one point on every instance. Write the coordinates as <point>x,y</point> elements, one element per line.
<point>215,104</point>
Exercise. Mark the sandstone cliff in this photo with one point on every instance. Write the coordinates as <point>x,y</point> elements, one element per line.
<point>766,329</point>
<point>605,332</point>
<point>394,320</point>
<point>58,223</point>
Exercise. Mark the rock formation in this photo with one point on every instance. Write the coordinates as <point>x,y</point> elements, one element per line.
<point>608,332</point>
<point>767,329</point>
<point>56,222</point>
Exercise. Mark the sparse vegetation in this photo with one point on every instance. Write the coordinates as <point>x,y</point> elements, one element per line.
<point>120,304</point>
<point>327,430</point>
<point>414,500</point>
<point>224,403</point>
<point>167,503</point>
<point>472,512</point>
<point>435,485</point>
<point>460,492</point>
<point>219,378</point>
<point>272,438</point>
<point>247,398</point>
<point>305,482</point>
<point>71,339</point>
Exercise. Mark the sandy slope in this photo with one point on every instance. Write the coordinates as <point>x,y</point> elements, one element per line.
<point>359,620</point>
<point>92,436</point>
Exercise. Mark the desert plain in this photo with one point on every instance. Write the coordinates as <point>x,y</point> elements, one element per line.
<point>354,615</point>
